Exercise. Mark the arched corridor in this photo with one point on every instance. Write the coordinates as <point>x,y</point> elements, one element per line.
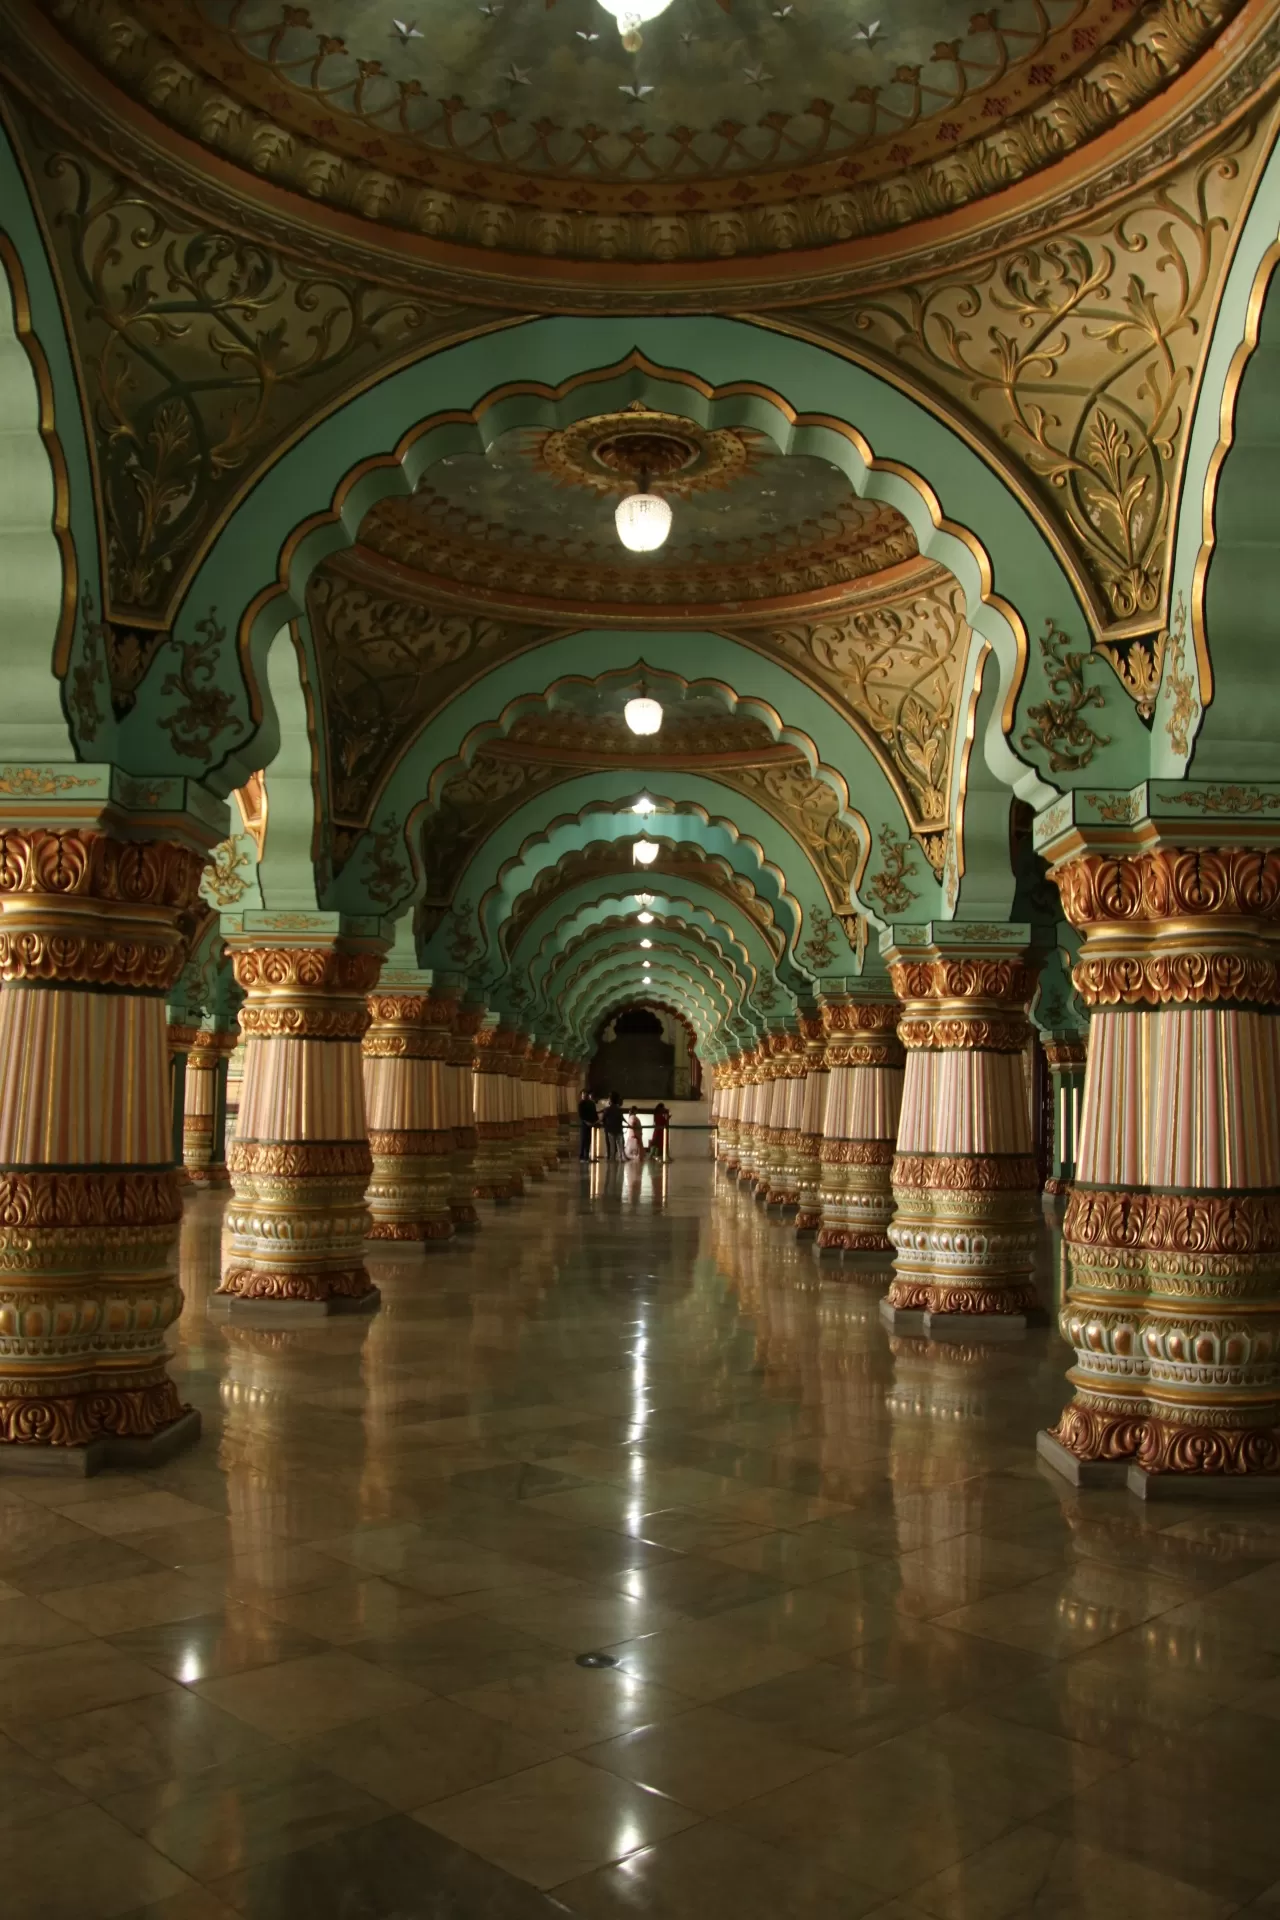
<point>718,556</point>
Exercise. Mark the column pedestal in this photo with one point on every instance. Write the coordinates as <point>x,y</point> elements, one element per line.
<point>412,1146</point>
<point>90,944</point>
<point>788,1063</point>
<point>203,1155</point>
<point>498,1174</point>
<point>864,1094</point>
<point>1172,1226</point>
<point>965,1181</point>
<point>300,1163</point>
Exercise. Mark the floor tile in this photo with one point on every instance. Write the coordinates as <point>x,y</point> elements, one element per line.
<point>423,1753</point>
<point>211,1645</point>
<point>707,1760</point>
<point>567,1706</point>
<point>296,1698</point>
<point>83,1865</point>
<point>1036,1873</point>
<point>556,1821</point>
<point>711,1870</point>
<point>68,1680</point>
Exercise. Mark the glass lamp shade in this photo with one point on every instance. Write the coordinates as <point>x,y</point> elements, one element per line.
<point>645,899</point>
<point>643,521</point>
<point>631,15</point>
<point>644,852</point>
<point>642,715</point>
<point>645,919</point>
<point>645,965</point>
<point>646,943</point>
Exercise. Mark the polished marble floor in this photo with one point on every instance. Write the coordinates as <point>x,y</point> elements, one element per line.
<point>871,1656</point>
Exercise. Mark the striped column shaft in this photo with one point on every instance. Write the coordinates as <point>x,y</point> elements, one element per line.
<point>729,1096</point>
<point>410,1137</point>
<point>1065,1056</point>
<point>209,1048</point>
<point>459,1078</point>
<point>787,1050</point>
<point>530,1148</point>
<point>813,1115</point>
<point>300,1162</point>
<point>90,945</point>
<point>965,1181</point>
<point>1172,1225</point>
<point>753,1095</point>
<point>498,1175</point>
<point>864,1093</point>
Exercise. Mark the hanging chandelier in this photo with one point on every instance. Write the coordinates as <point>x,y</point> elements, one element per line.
<point>642,714</point>
<point>643,520</point>
<point>644,852</point>
<point>631,15</point>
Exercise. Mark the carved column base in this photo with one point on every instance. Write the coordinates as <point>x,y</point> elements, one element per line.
<point>297,1224</point>
<point>408,1195</point>
<point>855,1196</point>
<point>964,1236</point>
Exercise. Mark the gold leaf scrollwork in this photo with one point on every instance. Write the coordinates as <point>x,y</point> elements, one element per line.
<point>1183,704</point>
<point>1057,725</point>
<point>205,709</point>
<point>890,888</point>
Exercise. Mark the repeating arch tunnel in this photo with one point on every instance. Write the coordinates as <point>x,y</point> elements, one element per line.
<point>375,711</point>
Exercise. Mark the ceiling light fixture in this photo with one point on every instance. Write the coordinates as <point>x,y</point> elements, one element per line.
<point>631,15</point>
<point>644,852</point>
<point>643,519</point>
<point>645,919</point>
<point>645,965</point>
<point>646,943</point>
<point>642,714</point>
<point>645,899</point>
<point>645,805</point>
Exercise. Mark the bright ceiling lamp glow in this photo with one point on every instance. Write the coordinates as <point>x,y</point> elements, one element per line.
<point>642,714</point>
<point>644,852</point>
<point>631,15</point>
<point>643,521</point>
<point>645,899</point>
<point>645,919</point>
<point>645,805</point>
<point>646,943</point>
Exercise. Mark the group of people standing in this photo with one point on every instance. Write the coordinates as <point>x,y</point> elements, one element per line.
<point>623,1133</point>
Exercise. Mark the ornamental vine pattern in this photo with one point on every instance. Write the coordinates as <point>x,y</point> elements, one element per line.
<point>890,888</point>
<point>1057,726</point>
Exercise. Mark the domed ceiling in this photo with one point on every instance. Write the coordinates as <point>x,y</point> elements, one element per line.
<point>722,128</point>
<point>530,526</point>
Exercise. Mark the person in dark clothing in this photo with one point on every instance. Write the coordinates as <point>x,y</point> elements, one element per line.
<point>587,1117</point>
<point>612,1124</point>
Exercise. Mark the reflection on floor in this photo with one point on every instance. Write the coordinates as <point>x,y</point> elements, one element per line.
<point>871,1657</point>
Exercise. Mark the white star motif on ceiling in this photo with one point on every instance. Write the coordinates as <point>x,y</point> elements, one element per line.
<point>405,31</point>
<point>869,31</point>
<point>635,91</point>
<point>518,76</point>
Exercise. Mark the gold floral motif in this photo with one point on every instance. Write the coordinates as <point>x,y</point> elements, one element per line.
<point>76,862</point>
<point>134,1198</point>
<point>1118,809</point>
<point>856,1153</point>
<point>72,959</point>
<point>1228,797</point>
<point>29,783</point>
<point>437,1227</point>
<point>969,1032</point>
<point>31,1419</point>
<point>1064,1055</point>
<point>1196,1223</point>
<point>303,1023</point>
<point>205,712</point>
<point>269,1283</point>
<point>1183,705</point>
<point>936,1296</point>
<point>860,1016</point>
<point>1164,1446</point>
<point>1078,353</point>
<point>398,1143</point>
<point>959,977</point>
<point>966,1173</point>
<point>1178,979</point>
<point>1057,725</point>
<point>300,1159</point>
<point>889,888</point>
<point>226,879</point>
<point>308,969</point>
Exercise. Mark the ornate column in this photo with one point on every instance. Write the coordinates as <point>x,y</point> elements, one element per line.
<point>300,1163</point>
<point>181,1039</point>
<point>410,1138</point>
<point>235,1084</point>
<point>531,1140</point>
<point>1065,1056</point>
<point>205,1107</point>
<point>813,1115</point>
<point>460,1105</point>
<point>864,1094</point>
<point>788,1099</point>
<point>95,905</point>
<point>497,1176</point>
<point>728,1102</point>
<point>965,1182</point>
<point>754,1096</point>
<point>1173,1223</point>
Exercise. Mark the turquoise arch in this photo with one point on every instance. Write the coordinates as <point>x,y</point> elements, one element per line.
<point>567,818</point>
<point>793,711</point>
<point>593,907</point>
<point>964,517</point>
<point>584,956</point>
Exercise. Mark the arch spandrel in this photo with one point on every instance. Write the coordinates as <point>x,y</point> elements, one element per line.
<point>310,504</point>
